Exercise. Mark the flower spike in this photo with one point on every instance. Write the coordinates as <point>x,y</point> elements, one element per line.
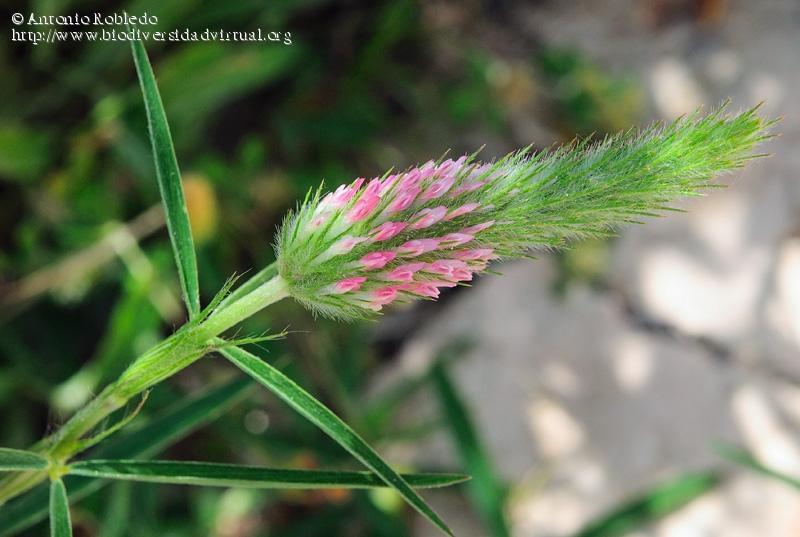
<point>405,236</point>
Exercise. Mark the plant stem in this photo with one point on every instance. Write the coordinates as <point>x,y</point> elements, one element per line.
<point>259,278</point>
<point>271,291</point>
<point>190,343</point>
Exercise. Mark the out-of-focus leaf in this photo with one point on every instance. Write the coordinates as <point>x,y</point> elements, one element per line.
<point>150,439</point>
<point>24,153</point>
<point>197,81</point>
<point>16,459</point>
<point>485,490</point>
<point>133,317</point>
<point>330,423</point>
<point>380,410</point>
<point>746,459</point>
<point>649,507</point>
<point>237,475</point>
<point>169,181</point>
<point>117,511</point>
<point>60,524</point>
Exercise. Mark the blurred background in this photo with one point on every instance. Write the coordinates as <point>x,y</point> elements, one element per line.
<point>585,392</point>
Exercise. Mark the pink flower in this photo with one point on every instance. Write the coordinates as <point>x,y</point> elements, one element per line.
<point>478,254</point>
<point>452,166</point>
<point>429,289</point>
<point>453,269</point>
<point>404,273</point>
<point>455,239</point>
<point>317,221</point>
<point>346,244</point>
<point>363,207</point>
<point>428,217</point>
<point>384,223</point>
<point>377,260</point>
<point>387,184</point>
<point>467,187</point>
<point>422,289</point>
<point>381,297</point>
<point>373,188</point>
<point>477,228</point>
<point>349,284</point>
<point>403,199</point>
<point>439,187</point>
<point>475,180</point>
<point>464,209</point>
<point>387,230</point>
<point>411,180</point>
<point>341,195</point>
<point>418,247</point>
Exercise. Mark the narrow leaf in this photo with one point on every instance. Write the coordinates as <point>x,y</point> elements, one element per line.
<point>117,510</point>
<point>15,459</point>
<point>657,503</point>
<point>485,489</point>
<point>152,438</point>
<point>237,475</point>
<point>746,459</point>
<point>60,525</point>
<point>330,423</point>
<point>169,181</point>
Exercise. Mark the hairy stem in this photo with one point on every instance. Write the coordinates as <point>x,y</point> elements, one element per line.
<point>271,291</point>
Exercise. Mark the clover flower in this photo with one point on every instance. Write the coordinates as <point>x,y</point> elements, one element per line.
<point>408,235</point>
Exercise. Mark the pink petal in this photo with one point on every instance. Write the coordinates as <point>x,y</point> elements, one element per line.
<point>466,187</point>
<point>317,221</point>
<point>445,266</point>
<point>363,207</point>
<point>410,180</point>
<point>387,184</point>
<point>438,188</point>
<point>341,195</point>
<point>373,188</point>
<point>422,289</point>
<point>455,239</point>
<point>403,199</point>
<point>346,244</point>
<point>478,254</point>
<point>428,217</point>
<point>349,284</point>
<point>404,273</point>
<point>381,297</point>
<point>418,247</point>
<point>377,260</point>
<point>464,209</point>
<point>473,230</point>
<point>387,230</point>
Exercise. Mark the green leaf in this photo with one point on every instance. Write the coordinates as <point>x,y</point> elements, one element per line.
<point>744,458</point>
<point>60,525</point>
<point>147,441</point>
<point>169,181</point>
<point>237,475</point>
<point>330,423</point>
<point>485,489</point>
<point>15,459</point>
<point>659,502</point>
<point>117,510</point>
